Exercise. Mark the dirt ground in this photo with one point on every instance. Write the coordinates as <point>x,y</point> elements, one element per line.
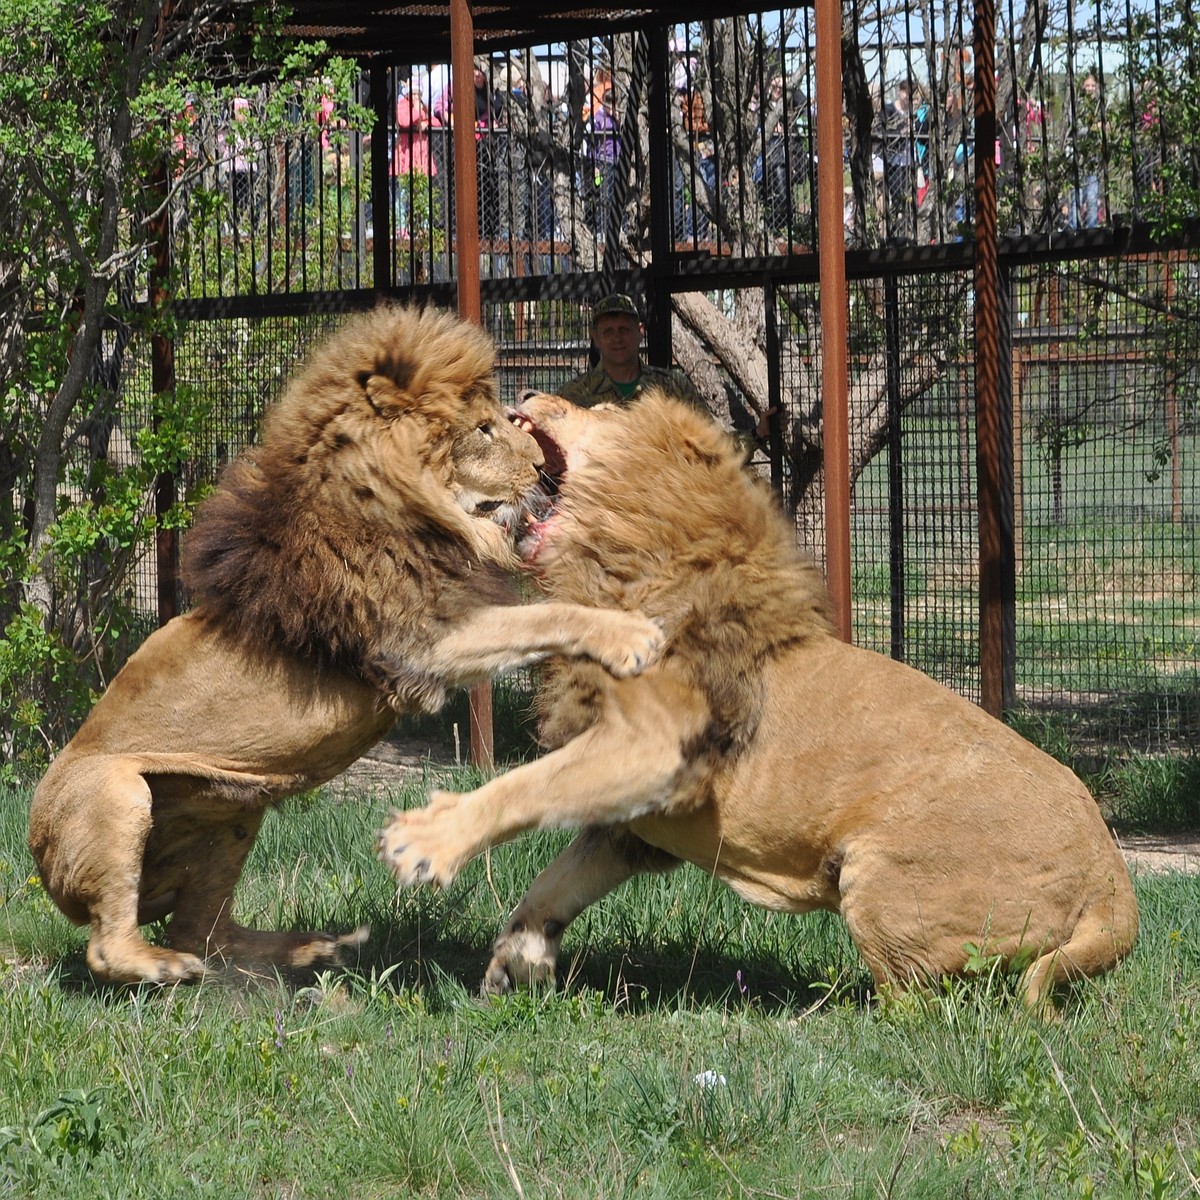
<point>397,761</point>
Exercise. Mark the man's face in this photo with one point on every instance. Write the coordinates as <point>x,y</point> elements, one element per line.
<point>617,338</point>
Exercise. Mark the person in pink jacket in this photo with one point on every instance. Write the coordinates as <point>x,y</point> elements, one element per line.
<point>412,163</point>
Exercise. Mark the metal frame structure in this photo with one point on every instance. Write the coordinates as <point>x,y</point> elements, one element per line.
<point>380,35</point>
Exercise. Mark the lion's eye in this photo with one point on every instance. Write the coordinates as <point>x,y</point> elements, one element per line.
<point>487,429</point>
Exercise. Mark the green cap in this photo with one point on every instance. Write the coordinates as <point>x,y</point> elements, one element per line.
<point>616,304</point>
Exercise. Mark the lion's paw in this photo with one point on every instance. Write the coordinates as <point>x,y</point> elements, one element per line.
<point>148,964</point>
<point>424,845</point>
<point>640,644</point>
<point>521,958</point>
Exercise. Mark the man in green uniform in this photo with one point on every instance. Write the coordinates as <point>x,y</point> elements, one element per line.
<point>620,375</point>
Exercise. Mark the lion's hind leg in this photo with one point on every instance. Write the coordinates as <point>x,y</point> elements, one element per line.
<point>203,924</point>
<point>88,831</point>
<point>596,862</point>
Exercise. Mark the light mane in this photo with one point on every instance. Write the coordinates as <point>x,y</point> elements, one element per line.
<point>662,516</point>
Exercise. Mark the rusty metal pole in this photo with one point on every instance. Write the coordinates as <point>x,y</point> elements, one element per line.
<point>466,266</point>
<point>834,323</point>
<point>987,367</point>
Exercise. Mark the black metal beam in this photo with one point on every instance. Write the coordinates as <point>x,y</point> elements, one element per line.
<point>410,34</point>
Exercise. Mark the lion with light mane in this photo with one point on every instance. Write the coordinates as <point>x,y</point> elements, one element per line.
<point>804,772</point>
<point>354,566</point>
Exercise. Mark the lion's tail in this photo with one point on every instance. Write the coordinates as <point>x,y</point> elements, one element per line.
<point>1103,935</point>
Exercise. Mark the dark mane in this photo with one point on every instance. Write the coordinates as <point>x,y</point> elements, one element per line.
<point>334,537</point>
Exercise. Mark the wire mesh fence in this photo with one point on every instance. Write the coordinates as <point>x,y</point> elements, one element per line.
<point>680,162</point>
<point>1094,130</point>
<point>1106,468</point>
<point>1106,501</point>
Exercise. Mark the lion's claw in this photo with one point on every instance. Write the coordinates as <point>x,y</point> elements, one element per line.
<point>419,846</point>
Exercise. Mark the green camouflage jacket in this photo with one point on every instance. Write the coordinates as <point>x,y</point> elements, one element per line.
<point>595,387</point>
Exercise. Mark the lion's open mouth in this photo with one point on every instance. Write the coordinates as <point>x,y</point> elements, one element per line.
<point>540,504</point>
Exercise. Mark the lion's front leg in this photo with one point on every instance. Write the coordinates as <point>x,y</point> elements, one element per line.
<point>620,768</point>
<point>432,844</point>
<point>504,637</point>
<point>596,862</point>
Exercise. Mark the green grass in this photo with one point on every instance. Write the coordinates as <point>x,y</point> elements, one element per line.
<point>391,1078</point>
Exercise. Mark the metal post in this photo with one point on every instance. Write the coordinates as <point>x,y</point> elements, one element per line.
<point>1007,513</point>
<point>988,417</point>
<point>834,323</point>
<point>162,380</point>
<point>774,386</point>
<point>891,317</point>
<point>466,265</point>
<point>658,325</point>
<point>381,192</point>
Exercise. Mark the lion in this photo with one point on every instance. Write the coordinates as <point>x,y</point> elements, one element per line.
<point>804,772</point>
<point>354,566</point>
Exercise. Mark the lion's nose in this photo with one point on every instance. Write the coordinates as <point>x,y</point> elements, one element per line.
<point>526,394</point>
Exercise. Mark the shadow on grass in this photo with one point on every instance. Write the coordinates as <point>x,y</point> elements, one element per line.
<point>638,976</point>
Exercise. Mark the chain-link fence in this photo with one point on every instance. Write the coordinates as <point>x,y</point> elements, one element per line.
<point>679,164</point>
<point>1106,471</point>
<point>1106,495</point>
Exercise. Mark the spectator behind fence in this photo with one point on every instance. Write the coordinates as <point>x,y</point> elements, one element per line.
<point>697,168</point>
<point>620,376</point>
<point>235,154</point>
<point>487,113</point>
<point>960,176</point>
<point>903,146</point>
<point>695,125</point>
<point>513,161</point>
<point>412,163</point>
<point>605,146</point>
<point>771,171</point>
<point>487,104</point>
<point>602,81</point>
<point>1147,167</point>
<point>1085,108</point>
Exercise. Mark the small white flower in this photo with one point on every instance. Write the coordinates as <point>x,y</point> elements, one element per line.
<point>709,1080</point>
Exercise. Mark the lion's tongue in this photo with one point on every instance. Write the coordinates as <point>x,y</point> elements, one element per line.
<point>529,542</point>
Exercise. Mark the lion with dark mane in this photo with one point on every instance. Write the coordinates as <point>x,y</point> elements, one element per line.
<point>804,772</point>
<point>353,566</point>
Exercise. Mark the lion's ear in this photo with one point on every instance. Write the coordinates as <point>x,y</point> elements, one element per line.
<point>385,395</point>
